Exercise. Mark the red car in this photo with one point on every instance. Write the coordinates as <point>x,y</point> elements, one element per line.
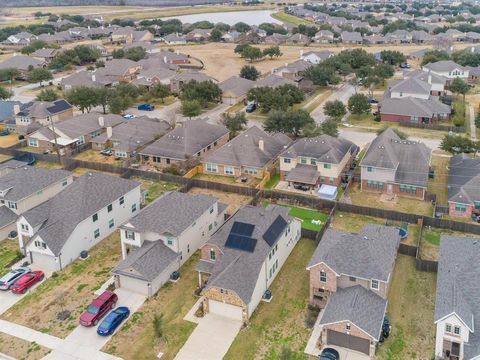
<point>98,308</point>
<point>26,281</point>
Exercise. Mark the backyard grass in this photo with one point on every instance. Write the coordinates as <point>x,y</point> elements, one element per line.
<point>173,301</point>
<point>363,120</point>
<point>290,19</point>
<point>79,171</point>
<point>274,179</point>
<point>21,349</point>
<point>8,140</point>
<point>382,201</point>
<point>71,289</point>
<point>48,165</point>
<point>458,117</point>
<point>154,188</point>
<point>411,303</point>
<point>234,201</point>
<point>9,250</point>
<point>231,180</point>
<point>352,222</point>
<point>95,156</point>
<point>439,184</point>
<point>281,322</point>
<point>307,215</point>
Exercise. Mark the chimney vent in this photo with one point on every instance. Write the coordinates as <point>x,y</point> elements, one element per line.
<point>261,145</point>
<point>101,121</point>
<point>109,132</point>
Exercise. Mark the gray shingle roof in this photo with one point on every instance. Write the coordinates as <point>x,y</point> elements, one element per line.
<point>239,270</point>
<point>324,148</point>
<point>60,215</point>
<point>358,306</point>
<point>244,150</point>
<point>457,285</point>
<point>12,164</point>
<point>6,110</point>
<point>172,213</point>
<point>369,254</point>
<point>186,140</point>
<point>444,65</point>
<point>409,159</point>
<point>273,81</point>
<point>412,86</point>
<point>410,106</point>
<point>28,180</point>
<point>147,262</point>
<point>20,62</point>
<point>236,85</point>
<point>42,109</point>
<point>464,179</point>
<point>7,217</point>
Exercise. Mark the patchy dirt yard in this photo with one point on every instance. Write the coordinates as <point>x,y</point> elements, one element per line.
<point>71,289</point>
<point>8,140</point>
<point>21,349</point>
<point>153,188</point>
<point>234,201</point>
<point>95,156</point>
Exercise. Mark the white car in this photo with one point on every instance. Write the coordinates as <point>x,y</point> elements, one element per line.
<point>9,279</point>
<point>129,116</point>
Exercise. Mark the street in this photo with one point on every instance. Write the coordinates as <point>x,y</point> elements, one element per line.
<point>342,93</point>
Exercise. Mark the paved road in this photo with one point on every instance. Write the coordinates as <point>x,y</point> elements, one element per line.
<point>342,93</point>
<point>473,128</point>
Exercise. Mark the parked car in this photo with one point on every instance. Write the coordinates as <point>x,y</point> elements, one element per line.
<point>146,107</point>
<point>4,132</point>
<point>112,321</point>
<point>373,101</point>
<point>98,308</point>
<point>26,281</point>
<point>9,279</point>
<point>107,151</point>
<point>129,116</point>
<point>405,66</point>
<point>476,218</point>
<point>12,235</point>
<point>251,108</point>
<point>329,354</point>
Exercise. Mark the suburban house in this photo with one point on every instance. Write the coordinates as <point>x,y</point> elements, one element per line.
<point>315,161</point>
<point>163,236</point>
<point>235,89</point>
<point>421,37</point>
<point>87,78</point>
<point>273,81</point>
<point>10,165</point>
<point>191,140</point>
<point>72,133</point>
<point>316,57</point>
<point>447,69</point>
<point>413,109</point>
<point>409,87</point>
<point>22,38</point>
<point>122,70</point>
<point>456,304</point>
<point>54,233</point>
<point>231,36</point>
<point>22,63</point>
<point>436,82</point>
<point>154,76</point>
<point>24,187</point>
<point>463,186</point>
<point>33,115</point>
<point>241,260</point>
<point>128,35</point>
<point>174,39</point>
<point>130,136</point>
<point>294,71</point>
<point>323,37</point>
<point>147,46</point>
<point>395,166</point>
<point>350,276</point>
<point>198,35</point>
<point>177,82</point>
<point>45,55</point>
<point>351,37</point>
<point>252,153</point>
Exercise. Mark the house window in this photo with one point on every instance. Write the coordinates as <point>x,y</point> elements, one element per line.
<point>408,189</point>
<point>323,276</point>
<point>65,182</point>
<point>448,328</point>
<point>170,240</point>
<point>25,227</point>
<point>213,255</point>
<point>477,204</point>
<point>313,161</point>
<point>95,217</point>
<point>40,245</point>
<point>331,179</point>
<point>347,326</point>
<point>210,227</point>
<point>12,205</point>
<point>32,142</point>
<point>327,166</point>
<point>212,167</point>
<point>122,200</point>
<point>134,208</point>
<point>353,278</point>
<point>456,330</point>
<point>211,210</point>
<point>287,160</point>
<point>96,233</point>
<point>369,169</point>
<point>251,171</point>
<point>109,208</point>
<point>374,284</point>
<point>167,160</point>
<point>129,235</point>
<point>111,223</point>
<point>303,160</point>
<point>228,170</point>
<point>81,140</point>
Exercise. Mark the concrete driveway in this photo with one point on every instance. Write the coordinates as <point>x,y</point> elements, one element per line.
<point>8,299</point>
<point>346,354</point>
<point>211,339</point>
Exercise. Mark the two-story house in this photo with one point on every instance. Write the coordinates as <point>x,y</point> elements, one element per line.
<point>448,69</point>
<point>31,116</point>
<point>349,280</point>
<point>54,233</point>
<point>463,186</point>
<point>252,153</point>
<point>395,166</point>
<point>163,236</point>
<point>22,188</point>
<point>315,161</point>
<point>457,300</point>
<point>241,260</point>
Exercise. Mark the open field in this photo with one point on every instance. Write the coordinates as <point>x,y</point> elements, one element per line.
<point>411,303</point>
<point>281,322</point>
<point>234,201</point>
<point>173,301</point>
<point>385,201</point>
<point>439,185</point>
<point>8,140</point>
<point>290,19</point>
<point>9,250</point>
<point>72,289</point>
<point>153,189</point>
<point>21,349</point>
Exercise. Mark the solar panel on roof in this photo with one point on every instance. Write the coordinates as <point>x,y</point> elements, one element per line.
<point>274,231</point>
<point>243,229</point>
<point>245,243</point>
<point>58,106</point>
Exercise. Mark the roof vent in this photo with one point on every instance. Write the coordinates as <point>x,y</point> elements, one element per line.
<point>365,238</point>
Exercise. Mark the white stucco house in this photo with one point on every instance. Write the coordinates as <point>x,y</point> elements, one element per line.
<point>448,69</point>
<point>163,236</point>
<point>53,234</point>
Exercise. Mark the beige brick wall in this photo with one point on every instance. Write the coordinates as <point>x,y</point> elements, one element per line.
<point>344,282</point>
<point>205,251</point>
<point>315,283</point>
<point>228,297</point>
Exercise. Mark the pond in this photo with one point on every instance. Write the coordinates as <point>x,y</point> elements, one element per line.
<point>251,17</point>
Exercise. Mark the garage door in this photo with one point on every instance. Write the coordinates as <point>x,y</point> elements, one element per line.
<point>44,261</point>
<point>226,310</point>
<point>348,341</point>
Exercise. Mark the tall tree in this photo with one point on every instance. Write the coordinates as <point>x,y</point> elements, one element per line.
<point>4,93</point>
<point>101,95</point>
<point>249,72</point>
<point>47,95</point>
<point>335,109</point>
<point>272,51</point>
<point>160,91</point>
<point>458,86</point>
<point>358,104</point>
<point>83,97</point>
<point>191,108</point>
<point>235,122</point>
<point>39,75</point>
<point>252,53</point>
<point>288,122</point>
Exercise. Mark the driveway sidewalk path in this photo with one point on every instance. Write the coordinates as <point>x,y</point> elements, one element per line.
<point>473,128</point>
<point>31,335</point>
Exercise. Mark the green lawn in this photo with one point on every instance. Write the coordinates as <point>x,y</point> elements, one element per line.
<point>305,215</point>
<point>290,19</point>
<point>432,236</point>
<point>153,189</point>
<point>458,118</point>
<point>8,251</point>
<point>274,179</point>
<point>439,184</point>
<point>279,323</point>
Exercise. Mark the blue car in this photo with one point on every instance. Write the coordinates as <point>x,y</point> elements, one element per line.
<point>112,321</point>
<point>146,107</point>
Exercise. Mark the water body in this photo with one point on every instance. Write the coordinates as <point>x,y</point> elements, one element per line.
<point>252,17</point>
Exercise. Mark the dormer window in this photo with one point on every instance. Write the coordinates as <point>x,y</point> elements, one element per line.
<point>456,330</point>
<point>129,235</point>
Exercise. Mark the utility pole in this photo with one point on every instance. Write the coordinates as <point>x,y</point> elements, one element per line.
<point>56,143</point>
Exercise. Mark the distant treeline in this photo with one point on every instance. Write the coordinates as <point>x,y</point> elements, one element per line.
<point>21,3</point>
